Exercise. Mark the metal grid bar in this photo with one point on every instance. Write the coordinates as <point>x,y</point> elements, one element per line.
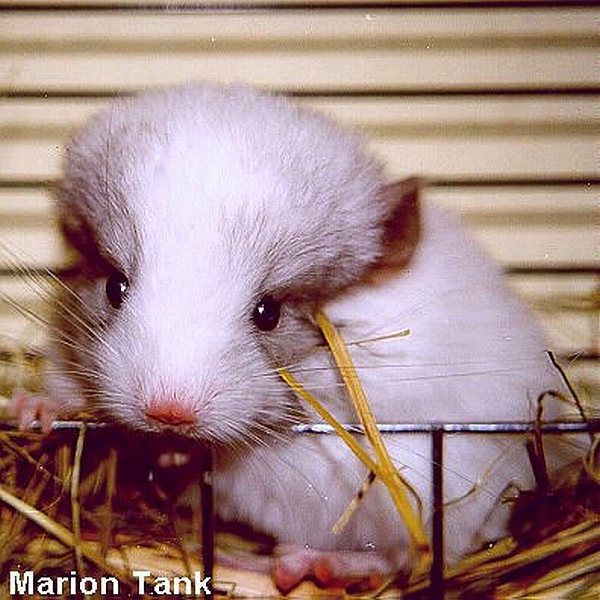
<point>486,428</point>
<point>437,531</point>
<point>437,431</point>
<point>497,428</point>
<point>208,517</point>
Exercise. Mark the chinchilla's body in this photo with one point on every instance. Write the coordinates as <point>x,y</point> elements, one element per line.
<point>211,224</point>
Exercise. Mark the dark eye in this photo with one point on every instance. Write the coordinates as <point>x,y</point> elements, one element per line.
<point>116,287</point>
<point>267,313</point>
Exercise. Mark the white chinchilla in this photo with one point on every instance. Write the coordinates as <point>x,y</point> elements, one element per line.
<point>211,223</point>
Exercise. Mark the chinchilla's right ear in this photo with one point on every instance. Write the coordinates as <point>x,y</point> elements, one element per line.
<point>401,226</point>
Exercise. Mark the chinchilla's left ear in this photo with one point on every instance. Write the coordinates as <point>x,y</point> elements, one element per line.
<point>401,226</point>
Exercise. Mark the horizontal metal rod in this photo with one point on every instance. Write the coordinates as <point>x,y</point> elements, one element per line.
<point>499,427</point>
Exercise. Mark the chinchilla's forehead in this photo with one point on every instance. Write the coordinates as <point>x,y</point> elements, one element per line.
<point>204,154</point>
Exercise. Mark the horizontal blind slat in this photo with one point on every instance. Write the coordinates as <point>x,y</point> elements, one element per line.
<point>377,28</point>
<point>334,69</point>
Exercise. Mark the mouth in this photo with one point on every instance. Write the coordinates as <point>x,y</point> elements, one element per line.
<point>188,431</point>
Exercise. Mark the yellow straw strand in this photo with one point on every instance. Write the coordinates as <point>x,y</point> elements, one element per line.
<point>393,480</point>
<point>354,503</point>
<point>358,450</point>
<point>62,534</point>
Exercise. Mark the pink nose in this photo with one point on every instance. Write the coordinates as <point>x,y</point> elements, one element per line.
<point>170,411</point>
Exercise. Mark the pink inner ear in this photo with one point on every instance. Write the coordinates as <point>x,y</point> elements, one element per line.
<point>402,226</point>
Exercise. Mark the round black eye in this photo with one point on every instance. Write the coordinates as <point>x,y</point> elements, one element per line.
<point>267,313</point>
<point>116,287</point>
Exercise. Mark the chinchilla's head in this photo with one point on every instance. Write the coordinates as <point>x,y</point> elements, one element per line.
<point>210,223</point>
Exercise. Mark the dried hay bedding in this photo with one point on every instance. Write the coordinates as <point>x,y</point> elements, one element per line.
<point>127,521</point>
<point>92,500</point>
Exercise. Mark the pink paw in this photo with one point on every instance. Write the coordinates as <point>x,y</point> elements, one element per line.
<point>359,571</point>
<point>27,408</point>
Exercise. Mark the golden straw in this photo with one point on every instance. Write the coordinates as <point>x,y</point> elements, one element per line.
<point>382,466</point>
<point>396,485</point>
<point>55,529</point>
<point>358,450</point>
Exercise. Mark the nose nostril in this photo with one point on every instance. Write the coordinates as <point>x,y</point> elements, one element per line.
<point>170,412</point>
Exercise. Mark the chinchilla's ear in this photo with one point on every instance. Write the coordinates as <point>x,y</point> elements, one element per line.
<point>401,226</point>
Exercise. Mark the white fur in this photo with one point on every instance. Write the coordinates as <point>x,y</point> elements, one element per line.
<point>473,355</point>
<point>208,198</point>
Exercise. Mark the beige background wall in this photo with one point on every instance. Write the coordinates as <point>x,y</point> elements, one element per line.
<point>540,150</point>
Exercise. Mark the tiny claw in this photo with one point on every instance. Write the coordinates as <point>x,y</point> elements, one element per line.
<point>328,574</point>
